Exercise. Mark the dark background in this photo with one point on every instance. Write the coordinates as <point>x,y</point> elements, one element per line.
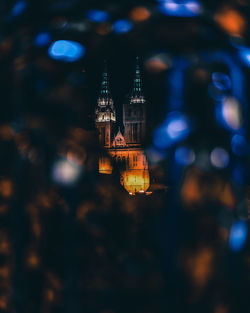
<point>89,247</point>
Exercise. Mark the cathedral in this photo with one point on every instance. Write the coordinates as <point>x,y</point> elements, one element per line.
<point>124,147</point>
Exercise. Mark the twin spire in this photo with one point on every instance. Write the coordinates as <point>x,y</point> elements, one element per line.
<point>136,94</point>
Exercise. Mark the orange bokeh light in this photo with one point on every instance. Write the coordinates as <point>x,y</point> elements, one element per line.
<point>139,14</point>
<point>232,21</point>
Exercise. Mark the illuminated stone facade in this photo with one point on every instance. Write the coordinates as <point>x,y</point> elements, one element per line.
<point>125,149</point>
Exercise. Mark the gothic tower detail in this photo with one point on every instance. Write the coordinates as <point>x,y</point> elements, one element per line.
<point>105,115</point>
<point>134,112</point>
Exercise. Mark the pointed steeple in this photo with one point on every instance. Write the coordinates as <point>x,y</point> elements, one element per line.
<point>105,110</point>
<point>137,95</point>
<point>105,92</point>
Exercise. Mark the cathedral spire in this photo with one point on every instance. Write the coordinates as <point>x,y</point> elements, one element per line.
<point>105,98</point>
<point>137,79</point>
<point>105,110</point>
<point>105,92</point>
<point>137,95</point>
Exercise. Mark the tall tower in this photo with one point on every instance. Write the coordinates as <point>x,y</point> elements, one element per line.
<point>105,115</point>
<point>134,112</point>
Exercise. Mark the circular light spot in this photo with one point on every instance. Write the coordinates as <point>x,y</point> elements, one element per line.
<point>231,113</point>
<point>184,156</point>
<point>98,16</point>
<point>66,172</point>
<point>221,81</point>
<point>219,158</point>
<point>158,63</point>
<point>122,26</point>
<point>239,145</point>
<point>238,236</point>
<point>42,39</point>
<point>67,51</point>
<point>139,14</point>
<point>19,8</point>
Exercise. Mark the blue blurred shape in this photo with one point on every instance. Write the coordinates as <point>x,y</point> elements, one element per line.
<point>245,55</point>
<point>42,39</point>
<point>216,93</point>
<point>19,8</point>
<point>178,126</point>
<point>219,158</point>
<point>184,156</point>
<point>97,16</point>
<point>174,129</point>
<point>154,155</point>
<point>122,26</point>
<point>239,145</point>
<point>184,8</point>
<point>67,51</point>
<point>238,174</point>
<point>221,81</point>
<point>238,235</point>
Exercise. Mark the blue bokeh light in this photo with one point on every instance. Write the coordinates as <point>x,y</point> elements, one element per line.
<point>221,81</point>
<point>67,51</point>
<point>154,155</point>
<point>238,174</point>
<point>245,55</point>
<point>184,156</point>
<point>216,93</point>
<point>19,8</point>
<point>97,16</point>
<point>185,8</point>
<point>239,145</point>
<point>42,39</point>
<point>238,236</point>
<point>174,129</point>
<point>177,127</point>
<point>219,158</point>
<point>122,26</point>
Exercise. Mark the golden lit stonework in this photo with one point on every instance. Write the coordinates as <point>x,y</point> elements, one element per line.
<point>124,150</point>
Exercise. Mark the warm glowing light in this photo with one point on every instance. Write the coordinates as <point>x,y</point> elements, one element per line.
<point>136,181</point>
<point>139,14</point>
<point>231,113</point>
<point>105,166</point>
<point>231,21</point>
<point>199,266</point>
<point>158,63</point>
<point>103,29</point>
<point>6,188</point>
